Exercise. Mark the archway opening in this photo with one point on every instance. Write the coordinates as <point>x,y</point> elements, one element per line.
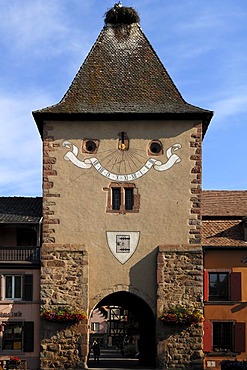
<point>129,327</point>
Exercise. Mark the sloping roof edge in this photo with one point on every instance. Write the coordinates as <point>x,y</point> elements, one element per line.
<point>176,107</point>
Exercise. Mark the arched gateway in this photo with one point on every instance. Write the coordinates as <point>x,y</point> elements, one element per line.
<point>129,316</point>
<point>121,201</point>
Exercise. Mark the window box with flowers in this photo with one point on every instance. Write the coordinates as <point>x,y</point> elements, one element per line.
<point>13,362</point>
<point>181,315</point>
<point>62,314</point>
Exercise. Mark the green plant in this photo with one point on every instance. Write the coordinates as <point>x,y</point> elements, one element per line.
<point>62,314</point>
<point>180,315</point>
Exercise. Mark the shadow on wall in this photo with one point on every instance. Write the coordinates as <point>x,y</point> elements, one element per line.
<point>143,278</point>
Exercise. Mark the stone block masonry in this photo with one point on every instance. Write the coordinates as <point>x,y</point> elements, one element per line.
<point>180,281</point>
<point>194,221</point>
<point>64,282</point>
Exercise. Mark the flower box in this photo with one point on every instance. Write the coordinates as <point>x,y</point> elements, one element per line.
<point>62,314</point>
<point>13,362</point>
<point>179,315</point>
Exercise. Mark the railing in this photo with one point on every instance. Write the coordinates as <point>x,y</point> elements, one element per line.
<point>22,254</point>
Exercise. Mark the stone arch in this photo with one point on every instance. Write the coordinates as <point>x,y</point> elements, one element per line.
<point>143,314</point>
<point>122,288</point>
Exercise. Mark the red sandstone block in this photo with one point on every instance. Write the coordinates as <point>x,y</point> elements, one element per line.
<point>49,160</point>
<point>50,173</point>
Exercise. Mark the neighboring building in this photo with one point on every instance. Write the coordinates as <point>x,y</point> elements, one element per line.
<point>122,212</point>
<point>225,273</point>
<point>99,327</point>
<point>20,236</point>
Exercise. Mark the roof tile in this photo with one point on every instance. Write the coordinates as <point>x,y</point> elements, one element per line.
<point>224,203</point>
<point>20,209</point>
<point>122,74</point>
<point>223,233</point>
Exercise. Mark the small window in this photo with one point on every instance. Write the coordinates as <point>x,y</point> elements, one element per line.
<point>129,197</point>
<point>122,198</point>
<point>222,286</point>
<point>155,148</point>
<point>12,336</point>
<point>13,287</point>
<point>222,336</point>
<point>18,336</point>
<point>95,326</point>
<point>90,146</point>
<point>116,198</point>
<point>218,286</point>
<point>18,287</point>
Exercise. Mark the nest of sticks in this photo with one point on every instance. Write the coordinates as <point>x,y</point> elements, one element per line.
<point>121,15</point>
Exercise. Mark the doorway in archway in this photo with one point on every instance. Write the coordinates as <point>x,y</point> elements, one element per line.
<point>124,325</point>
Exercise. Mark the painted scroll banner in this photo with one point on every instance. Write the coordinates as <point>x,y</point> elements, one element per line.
<point>172,159</point>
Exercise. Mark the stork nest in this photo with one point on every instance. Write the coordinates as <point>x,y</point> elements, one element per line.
<point>121,15</point>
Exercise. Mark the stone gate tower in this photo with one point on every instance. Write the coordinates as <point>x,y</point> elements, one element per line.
<point>121,199</point>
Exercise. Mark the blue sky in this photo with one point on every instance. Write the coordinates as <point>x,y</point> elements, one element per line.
<point>202,44</point>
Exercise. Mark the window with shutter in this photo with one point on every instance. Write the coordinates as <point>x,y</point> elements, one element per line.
<point>224,336</point>
<point>18,336</point>
<point>218,286</point>
<point>18,287</point>
<point>222,286</point>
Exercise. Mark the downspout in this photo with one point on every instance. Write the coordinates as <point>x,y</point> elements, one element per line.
<point>39,232</point>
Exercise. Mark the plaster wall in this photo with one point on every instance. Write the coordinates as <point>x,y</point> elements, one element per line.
<point>79,206</point>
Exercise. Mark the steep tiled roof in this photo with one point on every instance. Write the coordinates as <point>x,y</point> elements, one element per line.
<point>224,203</point>
<point>122,74</point>
<point>223,213</point>
<point>20,209</point>
<point>224,233</point>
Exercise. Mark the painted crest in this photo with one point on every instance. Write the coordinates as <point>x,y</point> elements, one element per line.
<point>122,244</point>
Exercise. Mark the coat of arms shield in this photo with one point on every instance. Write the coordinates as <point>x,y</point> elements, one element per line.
<point>122,244</point>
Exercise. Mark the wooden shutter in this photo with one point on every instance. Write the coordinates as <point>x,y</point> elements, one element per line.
<point>206,286</point>
<point>28,336</point>
<point>239,337</point>
<point>207,337</point>
<point>236,286</point>
<point>28,287</point>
